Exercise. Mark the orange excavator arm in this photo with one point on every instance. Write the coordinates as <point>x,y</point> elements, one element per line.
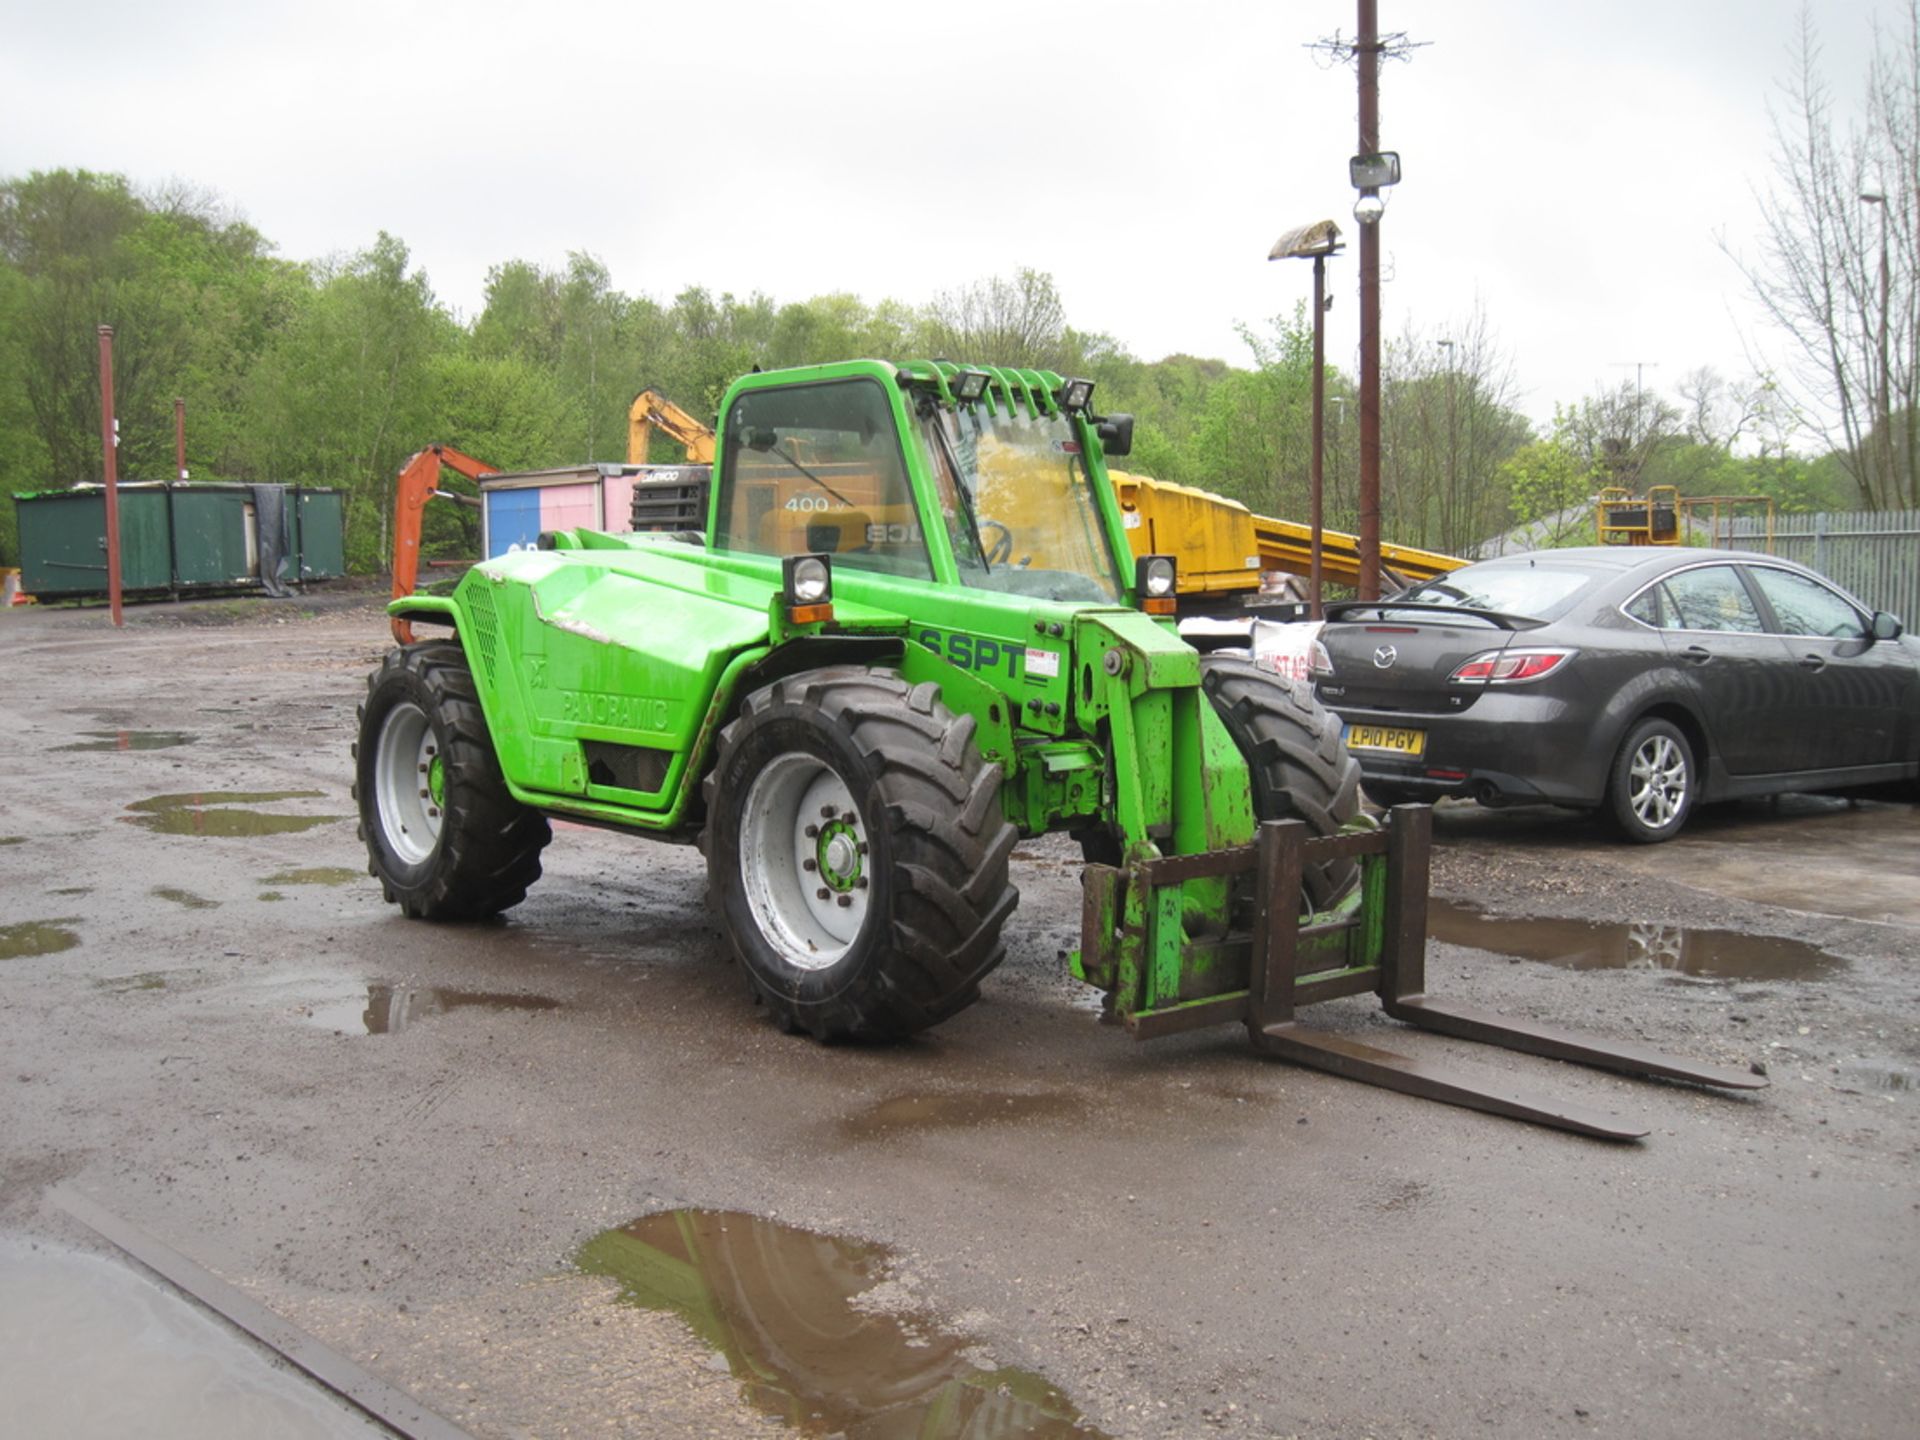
<point>419,481</point>
<point>651,408</point>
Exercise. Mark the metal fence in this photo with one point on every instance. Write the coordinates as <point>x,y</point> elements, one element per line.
<point>1873,553</point>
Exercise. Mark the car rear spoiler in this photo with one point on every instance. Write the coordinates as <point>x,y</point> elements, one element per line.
<point>1348,609</point>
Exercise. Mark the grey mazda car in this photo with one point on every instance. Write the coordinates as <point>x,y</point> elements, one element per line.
<point>1634,680</point>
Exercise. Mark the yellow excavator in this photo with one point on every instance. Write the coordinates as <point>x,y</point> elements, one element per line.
<point>653,411</point>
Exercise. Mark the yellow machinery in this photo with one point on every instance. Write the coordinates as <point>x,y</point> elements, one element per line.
<point>1223,547</point>
<point>1663,516</point>
<point>650,410</point>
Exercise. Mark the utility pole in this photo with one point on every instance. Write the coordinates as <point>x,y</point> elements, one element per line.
<point>1366,49</point>
<point>109,444</point>
<point>1370,171</point>
<point>1448,540</point>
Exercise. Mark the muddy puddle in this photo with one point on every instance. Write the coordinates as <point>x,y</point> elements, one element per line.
<point>1604,945</point>
<point>37,937</point>
<point>131,740</point>
<point>183,897</point>
<point>814,1330</point>
<point>316,875</point>
<point>389,1009</point>
<point>906,1113</point>
<point>223,813</point>
<point>13,839</point>
<point>89,1347</point>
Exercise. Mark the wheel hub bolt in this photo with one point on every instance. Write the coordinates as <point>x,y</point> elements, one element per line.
<point>822,893</point>
<point>846,902</point>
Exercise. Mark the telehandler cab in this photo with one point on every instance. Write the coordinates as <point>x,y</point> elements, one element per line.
<point>903,638</point>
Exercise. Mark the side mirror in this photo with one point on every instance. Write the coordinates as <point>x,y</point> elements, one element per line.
<point>1885,626</point>
<point>1116,434</point>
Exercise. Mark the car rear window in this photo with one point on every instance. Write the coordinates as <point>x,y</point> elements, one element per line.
<point>1534,590</point>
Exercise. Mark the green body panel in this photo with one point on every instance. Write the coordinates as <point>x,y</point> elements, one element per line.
<point>607,664</point>
<point>603,647</point>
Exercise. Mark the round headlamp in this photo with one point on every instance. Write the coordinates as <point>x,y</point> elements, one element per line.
<point>809,582</point>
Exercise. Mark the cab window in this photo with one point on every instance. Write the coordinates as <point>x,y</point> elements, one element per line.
<point>818,468</point>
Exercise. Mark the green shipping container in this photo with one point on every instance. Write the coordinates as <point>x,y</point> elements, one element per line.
<point>176,537</point>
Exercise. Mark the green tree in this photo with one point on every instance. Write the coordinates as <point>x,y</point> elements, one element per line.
<point>343,395</point>
<point>1551,488</point>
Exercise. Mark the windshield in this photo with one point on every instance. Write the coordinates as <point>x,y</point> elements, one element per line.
<point>1536,591</point>
<point>1018,504</point>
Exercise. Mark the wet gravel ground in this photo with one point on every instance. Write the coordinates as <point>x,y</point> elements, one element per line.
<point>398,1135</point>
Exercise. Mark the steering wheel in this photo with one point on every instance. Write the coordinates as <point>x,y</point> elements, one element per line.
<point>1001,549</point>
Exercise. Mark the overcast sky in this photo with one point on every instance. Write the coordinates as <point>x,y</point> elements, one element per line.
<point>1570,168</point>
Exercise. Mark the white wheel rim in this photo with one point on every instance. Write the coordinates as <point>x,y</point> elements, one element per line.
<point>1657,782</point>
<point>406,770</point>
<point>803,861</point>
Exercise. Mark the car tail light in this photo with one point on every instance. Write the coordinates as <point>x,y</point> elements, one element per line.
<point>1320,663</point>
<point>1509,667</point>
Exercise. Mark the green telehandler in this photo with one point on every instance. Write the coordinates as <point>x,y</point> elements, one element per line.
<point>905,631</point>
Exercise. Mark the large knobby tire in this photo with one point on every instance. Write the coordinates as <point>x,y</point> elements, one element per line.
<point>443,836</point>
<point>857,853</point>
<point>1299,768</point>
<point>1653,783</point>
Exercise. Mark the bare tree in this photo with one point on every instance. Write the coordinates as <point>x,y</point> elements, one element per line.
<point>1000,322</point>
<point>1837,266</point>
<point>1617,434</point>
<point>1720,412</point>
<point>1447,425</point>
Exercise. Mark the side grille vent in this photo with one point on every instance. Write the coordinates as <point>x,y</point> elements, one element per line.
<point>483,623</point>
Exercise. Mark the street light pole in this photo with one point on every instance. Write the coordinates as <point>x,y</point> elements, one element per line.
<point>1315,242</point>
<point>1882,407</point>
